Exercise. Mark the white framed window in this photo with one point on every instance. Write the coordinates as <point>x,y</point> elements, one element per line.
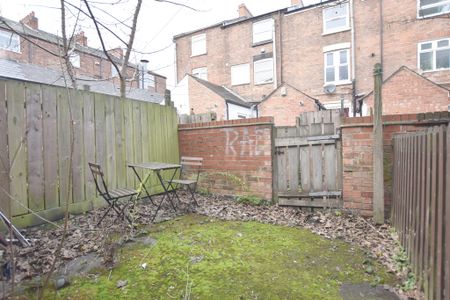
<point>201,73</point>
<point>263,71</point>
<point>240,74</point>
<point>9,41</point>
<point>434,55</point>
<point>337,67</point>
<point>198,44</point>
<point>430,8</point>
<point>262,31</point>
<point>75,59</point>
<point>147,81</point>
<point>114,71</point>
<point>336,18</point>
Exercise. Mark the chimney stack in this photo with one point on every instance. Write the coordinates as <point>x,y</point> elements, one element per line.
<point>297,3</point>
<point>80,38</point>
<point>31,21</point>
<point>116,52</point>
<point>244,12</point>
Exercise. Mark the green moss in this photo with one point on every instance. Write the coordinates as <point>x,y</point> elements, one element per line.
<point>204,258</point>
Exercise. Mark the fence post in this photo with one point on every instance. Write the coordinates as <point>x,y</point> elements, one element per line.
<point>378,178</point>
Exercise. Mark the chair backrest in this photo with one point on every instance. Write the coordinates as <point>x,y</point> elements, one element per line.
<point>194,164</point>
<point>99,179</point>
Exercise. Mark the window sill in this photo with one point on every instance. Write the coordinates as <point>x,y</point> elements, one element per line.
<point>263,83</point>
<point>433,71</point>
<point>337,83</point>
<point>336,31</point>
<point>261,43</point>
<point>199,54</point>
<point>240,84</point>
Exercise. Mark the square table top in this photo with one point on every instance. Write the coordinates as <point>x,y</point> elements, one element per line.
<point>155,166</point>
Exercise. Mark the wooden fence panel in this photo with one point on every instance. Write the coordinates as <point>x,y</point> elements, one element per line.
<point>421,212</point>
<point>15,97</point>
<point>39,125</point>
<point>50,144</point>
<point>4,155</point>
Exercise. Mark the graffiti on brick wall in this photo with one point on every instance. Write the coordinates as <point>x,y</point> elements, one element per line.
<point>239,142</point>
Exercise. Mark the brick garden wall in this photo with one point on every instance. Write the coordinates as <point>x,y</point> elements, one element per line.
<point>237,155</point>
<point>357,155</point>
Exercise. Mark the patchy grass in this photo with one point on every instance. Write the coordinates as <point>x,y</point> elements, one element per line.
<point>196,257</point>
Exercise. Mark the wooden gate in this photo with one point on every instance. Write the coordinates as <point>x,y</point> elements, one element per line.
<point>309,162</point>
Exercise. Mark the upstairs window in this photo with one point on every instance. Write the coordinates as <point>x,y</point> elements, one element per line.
<point>263,71</point>
<point>263,31</point>
<point>337,68</point>
<point>9,41</point>
<point>434,55</point>
<point>114,72</point>
<point>429,8</point>
<point>201,73</point>
<point>147,81</point>
<point>336,18</point>
<point>75,59</point>
<point>240,74</point>
<point>198,45</point>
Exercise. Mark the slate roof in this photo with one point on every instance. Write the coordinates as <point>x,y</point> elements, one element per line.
<point>223,92</point>
<point>14,70</point>
<point>27,31</point>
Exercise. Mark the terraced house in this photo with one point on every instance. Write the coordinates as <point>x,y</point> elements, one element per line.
<point>30,54</point>
<point>319,56</point>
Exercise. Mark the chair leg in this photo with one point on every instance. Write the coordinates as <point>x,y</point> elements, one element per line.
<point>104,215</point>
<point>192,191</point>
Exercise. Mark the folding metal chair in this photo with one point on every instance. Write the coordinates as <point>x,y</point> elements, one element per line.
<point>112,197</point>
<point>192,165</point>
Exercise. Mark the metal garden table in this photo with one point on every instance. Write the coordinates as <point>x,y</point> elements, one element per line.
<point>156,167</point>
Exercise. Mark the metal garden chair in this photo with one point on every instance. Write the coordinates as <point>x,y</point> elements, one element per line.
<point>192,165</point>
<point>112,197</point>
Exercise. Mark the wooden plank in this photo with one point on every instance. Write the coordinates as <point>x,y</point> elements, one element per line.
<point>293,163</point>
<point>64,140</point>
<point>110,143</point>
<point>439,212</point>
<point>316,166</point>
<point>323,137</point>
<point>327,203</point>
<point>5,201</point>
<point>329,129</point>
<point>137,136</point>
<point>415,227</point>
<point>428,214</point>
<point>331,176</point>
<point>447,216</point>
<point>433,217</point>
<point>293,142</point>
<point>120,155</point>
<point>78,165</point>
<point>129,142</point>
<point>145,128</point>
<point>421,207</point>
<point>15,97</point>
<point>35,160</point>
<point>316,129</point>
<point>100,131</point>
<point>89,143</point>
<point>50,145</point>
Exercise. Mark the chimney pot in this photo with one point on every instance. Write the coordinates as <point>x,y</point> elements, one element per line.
<point>297,3</point>
<point>80,38</point>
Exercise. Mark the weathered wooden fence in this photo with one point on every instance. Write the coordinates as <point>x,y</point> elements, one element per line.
<point>421,206</point>
<point>36,134</point>
<point>309,161</point>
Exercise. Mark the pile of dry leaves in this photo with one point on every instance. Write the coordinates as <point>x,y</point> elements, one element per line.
<point>83,236</point>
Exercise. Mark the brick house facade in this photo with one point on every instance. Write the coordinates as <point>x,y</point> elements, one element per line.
<point>327,50</point>
<point>23,42</point>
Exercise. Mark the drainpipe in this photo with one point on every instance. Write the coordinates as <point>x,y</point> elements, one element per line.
<point>280,30</point>
<point>381,38</point>
<point>352,24</point>
<point>275,80</point>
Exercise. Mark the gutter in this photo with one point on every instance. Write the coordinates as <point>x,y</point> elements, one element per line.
<point>353,38</point>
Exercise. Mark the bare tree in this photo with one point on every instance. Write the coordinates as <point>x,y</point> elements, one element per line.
<point>122,71</point>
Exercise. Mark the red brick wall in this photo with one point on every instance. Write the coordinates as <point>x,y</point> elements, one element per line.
<point>237,155</point>
<point>285,109</point>
<point>358,155</point>
<point>407,92</point>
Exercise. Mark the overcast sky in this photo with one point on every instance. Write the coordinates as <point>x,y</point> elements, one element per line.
<point>158,22</point>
